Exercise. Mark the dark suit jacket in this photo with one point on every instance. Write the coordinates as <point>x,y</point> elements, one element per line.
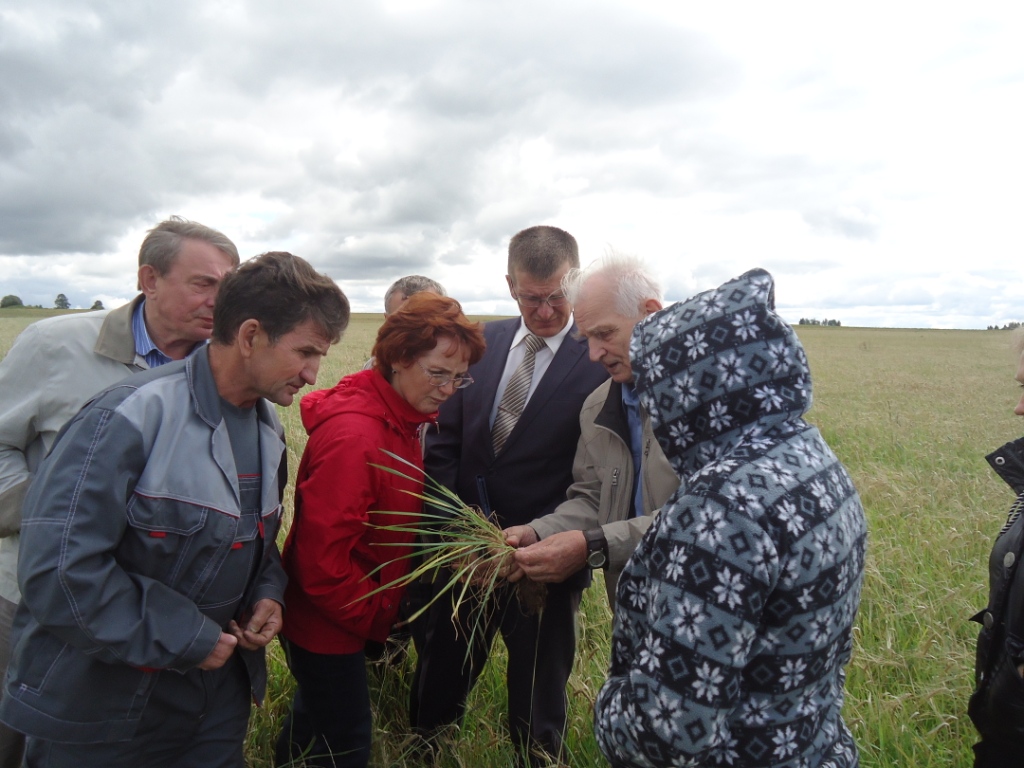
<point>530,477</point>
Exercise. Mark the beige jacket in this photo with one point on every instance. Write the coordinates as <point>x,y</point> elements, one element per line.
<point>603,481</point>
<point>55,366</point>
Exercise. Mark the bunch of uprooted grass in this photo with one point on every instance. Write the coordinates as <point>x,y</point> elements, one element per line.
<point>457,547</point>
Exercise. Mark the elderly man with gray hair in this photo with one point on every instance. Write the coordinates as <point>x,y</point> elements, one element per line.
<point>621,477</point>
<point>407,286</point>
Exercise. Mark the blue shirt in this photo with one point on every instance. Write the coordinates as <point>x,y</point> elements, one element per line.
<point>144,345</point>
<point>631,404</point>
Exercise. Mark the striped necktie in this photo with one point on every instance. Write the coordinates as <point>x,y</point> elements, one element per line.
<point>514,399</point>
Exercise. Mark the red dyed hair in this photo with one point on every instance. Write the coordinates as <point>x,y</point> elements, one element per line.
<point>418,324</point>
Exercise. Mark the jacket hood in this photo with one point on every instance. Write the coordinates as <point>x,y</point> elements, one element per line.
<point>720,370</point>
<point>366,393</point>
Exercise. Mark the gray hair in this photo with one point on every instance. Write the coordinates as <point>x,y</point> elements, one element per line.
<point>632,282</point>
<point>410,285</point>
<point>163,243</point>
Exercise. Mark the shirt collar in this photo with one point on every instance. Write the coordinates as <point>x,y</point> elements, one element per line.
<point>144,345</point>
<point>630,398</point>
<point>553,342</point>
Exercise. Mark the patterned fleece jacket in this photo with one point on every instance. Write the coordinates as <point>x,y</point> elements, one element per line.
<point>737,607</point>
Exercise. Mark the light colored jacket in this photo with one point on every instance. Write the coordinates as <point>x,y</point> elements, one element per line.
<point>602,489</point>
<point>137,554</point>
<point>52,370</point>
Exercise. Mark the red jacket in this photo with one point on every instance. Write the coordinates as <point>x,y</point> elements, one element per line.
<point>330,549</point>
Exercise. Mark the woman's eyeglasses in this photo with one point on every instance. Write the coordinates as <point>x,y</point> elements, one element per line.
<point>443,379</point>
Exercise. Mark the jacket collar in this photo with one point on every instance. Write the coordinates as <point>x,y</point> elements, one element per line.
<point>397,410</point>
<point>115,339</point>
<point>612,415</point>
<point>1008,462</point>
<point>204,392</point>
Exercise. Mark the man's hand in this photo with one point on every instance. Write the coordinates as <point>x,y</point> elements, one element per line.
<point>221,652</point>
<point>261,627</point>
<point>553,559</point>
<point>520,536</point>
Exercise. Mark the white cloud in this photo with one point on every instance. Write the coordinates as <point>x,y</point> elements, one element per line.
<point>868,155</point>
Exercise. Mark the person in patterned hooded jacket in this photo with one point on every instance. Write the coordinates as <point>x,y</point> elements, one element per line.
<point>736,609</point>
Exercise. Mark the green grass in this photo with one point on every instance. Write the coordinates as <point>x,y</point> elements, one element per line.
<point>912,414</point>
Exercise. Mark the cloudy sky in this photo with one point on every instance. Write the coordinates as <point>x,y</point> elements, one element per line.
<point>868,154</point>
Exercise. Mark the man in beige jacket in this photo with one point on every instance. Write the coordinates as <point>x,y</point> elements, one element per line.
<point>621,477</point>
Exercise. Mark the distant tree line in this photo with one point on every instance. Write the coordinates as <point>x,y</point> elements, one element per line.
<point>1011,326</point>
<point>816,321</point>
<point>61,302</point>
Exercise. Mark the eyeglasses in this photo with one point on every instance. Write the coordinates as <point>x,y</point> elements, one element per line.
<point>532,302</point>
<point>443,379</point>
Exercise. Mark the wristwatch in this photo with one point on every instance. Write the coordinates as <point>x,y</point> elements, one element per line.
<point>597,548</point>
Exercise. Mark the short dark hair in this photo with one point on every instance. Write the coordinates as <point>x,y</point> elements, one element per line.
<point>540,251</point>
<point>281,291</point>
<point>410,285</point>
<point>415,328</point>
<point>163,243</point>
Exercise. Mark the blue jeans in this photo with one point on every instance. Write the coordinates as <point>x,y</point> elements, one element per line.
<point>330,725</point>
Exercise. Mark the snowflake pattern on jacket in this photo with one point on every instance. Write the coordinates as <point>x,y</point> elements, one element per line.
<point>736,608</point>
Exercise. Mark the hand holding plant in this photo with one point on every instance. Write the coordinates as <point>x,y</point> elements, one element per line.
<point>457,547</point>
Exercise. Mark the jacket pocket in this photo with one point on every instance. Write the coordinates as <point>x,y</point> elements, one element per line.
<point>610,503</point>
<point>163,541</point>
<point>57,683</point>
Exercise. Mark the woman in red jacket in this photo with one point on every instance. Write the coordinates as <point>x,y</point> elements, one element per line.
<point>422,354</point>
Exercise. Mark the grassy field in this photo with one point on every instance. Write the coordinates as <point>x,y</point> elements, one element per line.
<point>912,414</point>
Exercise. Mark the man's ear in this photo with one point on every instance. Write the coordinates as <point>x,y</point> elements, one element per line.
<point>651,306</point>
<point>511,288</point>
<point>147,280</point>
<point>250,336</point>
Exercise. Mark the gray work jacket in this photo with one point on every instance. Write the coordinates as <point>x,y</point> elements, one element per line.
<point>135,554</point>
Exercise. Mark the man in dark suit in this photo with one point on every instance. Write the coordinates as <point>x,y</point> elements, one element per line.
<point>513,459</point>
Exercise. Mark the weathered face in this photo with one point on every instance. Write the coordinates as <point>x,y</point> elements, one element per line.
<point>448,359</point>
<point>547,319</point>
<point>278,371</point>
<point>179,305</point>
<point>606,330</point>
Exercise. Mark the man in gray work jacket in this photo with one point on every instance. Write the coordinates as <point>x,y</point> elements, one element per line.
<point>57,364</point>
<point>150,577</point>
<point>621,477</point>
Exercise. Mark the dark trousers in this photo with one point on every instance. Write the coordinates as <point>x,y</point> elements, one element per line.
<point>194,720</point>
<point>330,725</point>
<point>540,647</point>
